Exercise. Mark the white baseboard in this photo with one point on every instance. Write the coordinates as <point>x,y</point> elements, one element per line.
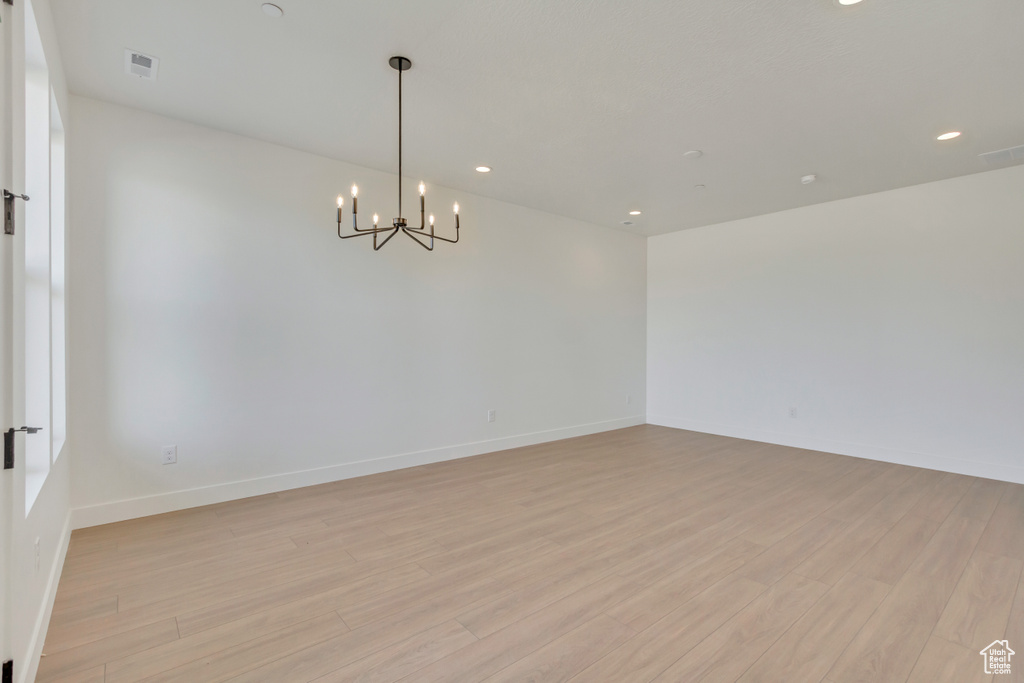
<point>974,468</point>
<point>35,646</point>
<point>131,508</point>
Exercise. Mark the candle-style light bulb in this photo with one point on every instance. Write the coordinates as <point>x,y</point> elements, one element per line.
<point>423,188</point>
<point>341,201</point>
<point>456,207</point>
<point>431,219</point>
<point>375,219</point>
<point>355,190</point>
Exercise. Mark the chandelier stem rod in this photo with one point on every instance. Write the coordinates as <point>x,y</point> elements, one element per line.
<point>400,138</point>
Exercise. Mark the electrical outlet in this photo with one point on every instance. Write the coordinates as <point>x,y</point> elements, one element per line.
<point>792,412</point>
<point>168,455</point>
<point>491,415</point>
<point>37,553</point>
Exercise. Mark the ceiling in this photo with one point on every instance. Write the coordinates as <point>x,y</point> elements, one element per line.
<point>584,108</point>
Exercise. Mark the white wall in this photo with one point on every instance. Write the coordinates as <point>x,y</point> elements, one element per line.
<point>33,583</point>
<point>893,323</point>
<point>215,309</point>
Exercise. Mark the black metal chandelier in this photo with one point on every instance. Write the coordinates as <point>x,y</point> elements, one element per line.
<point>423,235</point>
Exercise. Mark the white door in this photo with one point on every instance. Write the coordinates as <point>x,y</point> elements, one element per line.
<point>20,303</point>
<point>6,334</point>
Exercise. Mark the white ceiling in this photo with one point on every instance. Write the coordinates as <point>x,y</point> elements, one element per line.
<point>585,107</point>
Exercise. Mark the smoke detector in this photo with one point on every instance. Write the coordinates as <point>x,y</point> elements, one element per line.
<point>141,65</point>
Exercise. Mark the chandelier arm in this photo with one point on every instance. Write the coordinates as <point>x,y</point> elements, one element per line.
<point>443,239</point>
<point>411,232</point>
<point>363,233</point>
<point>432,236</point>
<point>394,231</point>
<point>355,213</point>
<point>355,222</point>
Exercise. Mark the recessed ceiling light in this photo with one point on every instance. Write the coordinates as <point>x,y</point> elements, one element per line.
<point>272,10</point>
<point>808,179</point>
<point>699,187</point>
<point>635,212</point>
<point>693,154</point>
<point>847,2</point>
<point>949,136</point>
<point>483,169</point>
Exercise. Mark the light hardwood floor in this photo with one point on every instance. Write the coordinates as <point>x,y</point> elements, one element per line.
<point>644,554</point>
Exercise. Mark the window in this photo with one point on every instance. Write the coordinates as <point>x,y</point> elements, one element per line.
<point>45,394</point>
<point>58,398</point>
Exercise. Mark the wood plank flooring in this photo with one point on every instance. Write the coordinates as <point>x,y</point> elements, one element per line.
<point>643,554</point>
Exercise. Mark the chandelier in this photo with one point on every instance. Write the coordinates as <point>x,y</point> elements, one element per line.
<point>423,235</point>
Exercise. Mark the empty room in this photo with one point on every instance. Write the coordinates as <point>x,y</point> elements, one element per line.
<point>512,340</point>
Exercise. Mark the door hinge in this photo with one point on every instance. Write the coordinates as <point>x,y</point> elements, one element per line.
<point>9,444</point>
<point>9,664</point>
<point>9,198</point>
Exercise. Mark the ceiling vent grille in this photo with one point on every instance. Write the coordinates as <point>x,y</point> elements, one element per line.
<point>1001,157</point>
<point>138,64</point>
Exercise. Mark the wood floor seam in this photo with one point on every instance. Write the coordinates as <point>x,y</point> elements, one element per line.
<point>780,636</point>
<point>841,653</point>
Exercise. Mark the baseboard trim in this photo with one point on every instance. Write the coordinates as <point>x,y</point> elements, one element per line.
<point>35,647</point>
<point>987,470</point>
<point>117,511</point>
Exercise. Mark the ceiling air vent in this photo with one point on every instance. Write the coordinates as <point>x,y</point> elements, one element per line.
<point>1001,157</point>
<point>138,64</point>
